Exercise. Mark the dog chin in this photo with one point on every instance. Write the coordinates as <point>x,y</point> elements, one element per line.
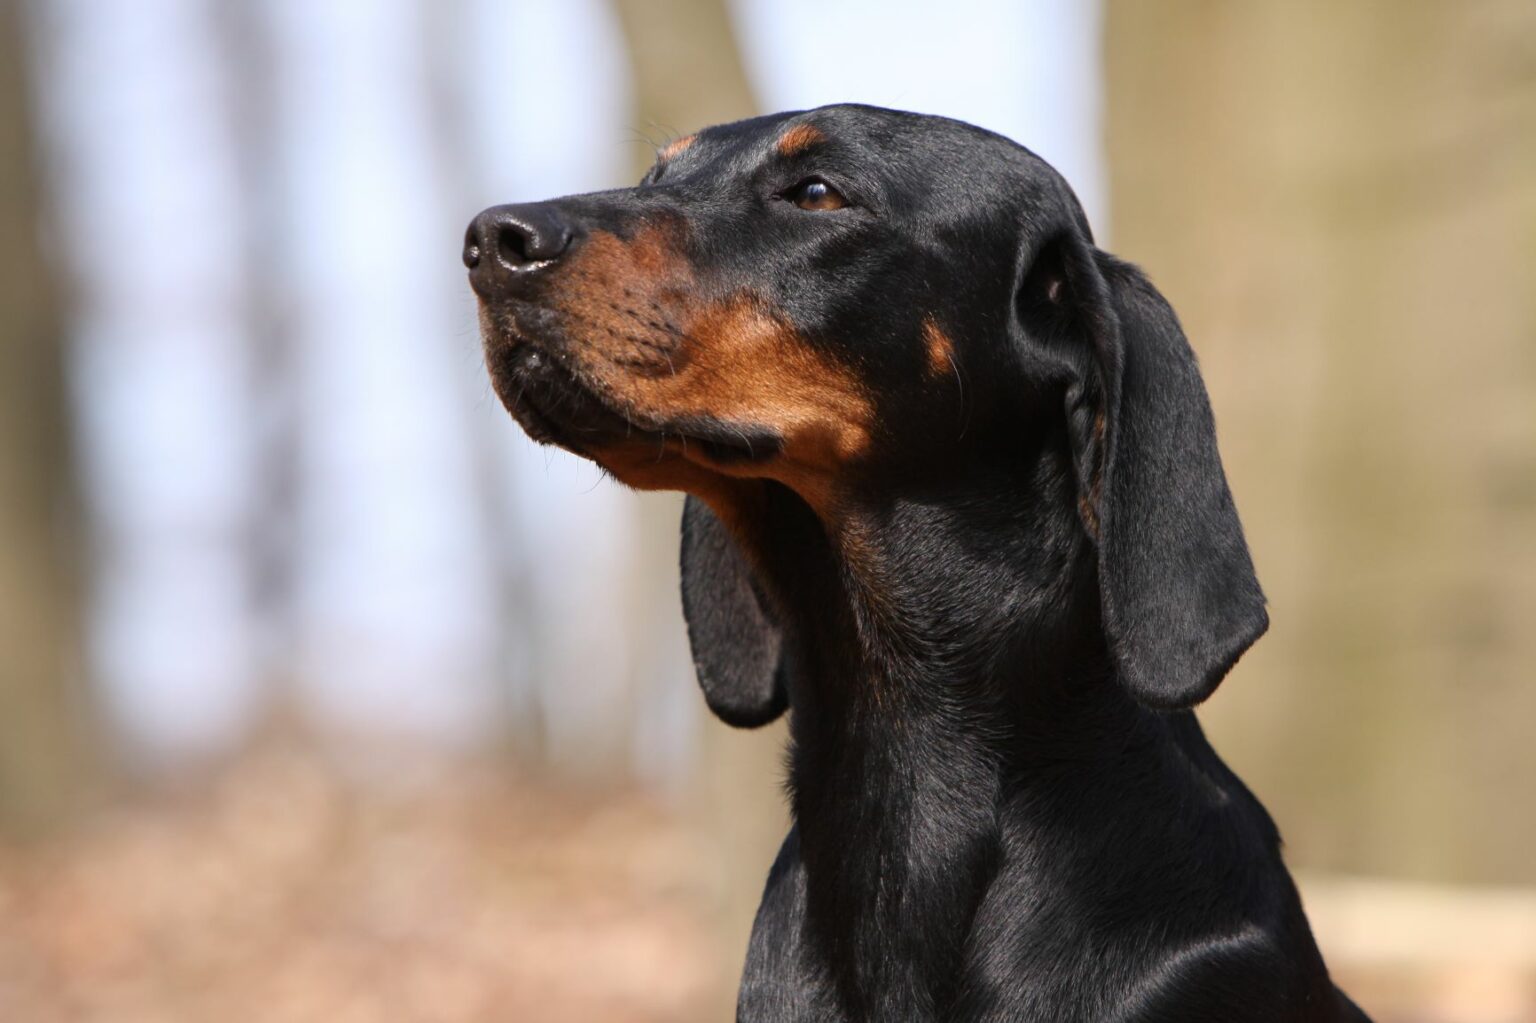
<point>548,402</point>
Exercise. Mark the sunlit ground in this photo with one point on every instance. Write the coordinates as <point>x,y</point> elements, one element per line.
<point>287,892</point>
<point>295,888</point>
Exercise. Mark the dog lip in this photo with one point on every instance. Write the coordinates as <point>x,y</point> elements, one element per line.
<point>519,321</point>
<point>729,443</point>
<point>519,372</point>
<point>560,405</point>
<point>555,405</point>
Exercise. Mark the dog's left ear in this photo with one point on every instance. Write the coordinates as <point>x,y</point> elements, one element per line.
<point>738,649</point>
<point>1180,599</point>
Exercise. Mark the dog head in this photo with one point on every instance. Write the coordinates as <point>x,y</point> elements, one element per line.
<point>841,302</point>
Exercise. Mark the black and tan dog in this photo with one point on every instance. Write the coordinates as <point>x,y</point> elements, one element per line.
<point>955,501</point>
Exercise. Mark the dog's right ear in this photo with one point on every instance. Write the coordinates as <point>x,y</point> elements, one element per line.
<point>738,649</point>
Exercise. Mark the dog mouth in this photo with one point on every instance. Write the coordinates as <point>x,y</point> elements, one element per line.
<point>554,405</point>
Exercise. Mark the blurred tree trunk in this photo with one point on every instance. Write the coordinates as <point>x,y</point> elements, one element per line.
<point>688,72</point>
<point>243,33</point>
<point>688,75</point>
<point>1340,200</point>
<point>42,723</point>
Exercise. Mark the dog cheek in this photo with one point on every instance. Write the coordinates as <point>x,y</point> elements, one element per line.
<point>623,301</point>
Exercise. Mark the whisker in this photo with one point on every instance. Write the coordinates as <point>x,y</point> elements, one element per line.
<point>965,418</point>
<point>747,441</point>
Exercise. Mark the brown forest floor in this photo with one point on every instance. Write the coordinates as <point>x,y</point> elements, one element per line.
<point>281,891</point>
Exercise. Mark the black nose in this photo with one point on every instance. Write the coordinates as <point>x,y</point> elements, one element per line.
<point>512,239</point>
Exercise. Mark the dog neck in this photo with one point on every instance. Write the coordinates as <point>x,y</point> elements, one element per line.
<point>908,731</point>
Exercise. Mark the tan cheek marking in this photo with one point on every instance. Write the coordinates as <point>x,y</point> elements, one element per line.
<point>736,362</point>
<point>645,465</point>
<point>737,501</point>
<point>641,342</point>
<point>941,349</point>
<point>798,139</point>
<point>621,297</point>
<point>676,146</point>
<point>742,363</point>
<point>644,262</point>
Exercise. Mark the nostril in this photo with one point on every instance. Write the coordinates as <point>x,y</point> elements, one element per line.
<point>471,248</point>
<point>514,245</point>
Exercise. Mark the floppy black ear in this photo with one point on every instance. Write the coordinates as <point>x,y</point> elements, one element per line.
<point>1180,599</point>
<point>737,647</point>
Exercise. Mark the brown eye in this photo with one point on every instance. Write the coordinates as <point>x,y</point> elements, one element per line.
<point>816,194</point>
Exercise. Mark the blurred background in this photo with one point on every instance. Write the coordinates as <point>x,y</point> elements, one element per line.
<point>325,694</point>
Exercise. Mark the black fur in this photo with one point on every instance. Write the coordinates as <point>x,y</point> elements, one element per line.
<point>990,641</point>
<point>737,649</point>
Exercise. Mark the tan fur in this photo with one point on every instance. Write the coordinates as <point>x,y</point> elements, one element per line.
<point>642,341</point>
<point>676,147</point>
<point>941,349</point>
<point>798,139</point>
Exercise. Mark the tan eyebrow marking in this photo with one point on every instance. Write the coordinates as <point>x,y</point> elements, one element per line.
<point>798,139</point>
<point>676,147</point>
<point>941,349</point>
